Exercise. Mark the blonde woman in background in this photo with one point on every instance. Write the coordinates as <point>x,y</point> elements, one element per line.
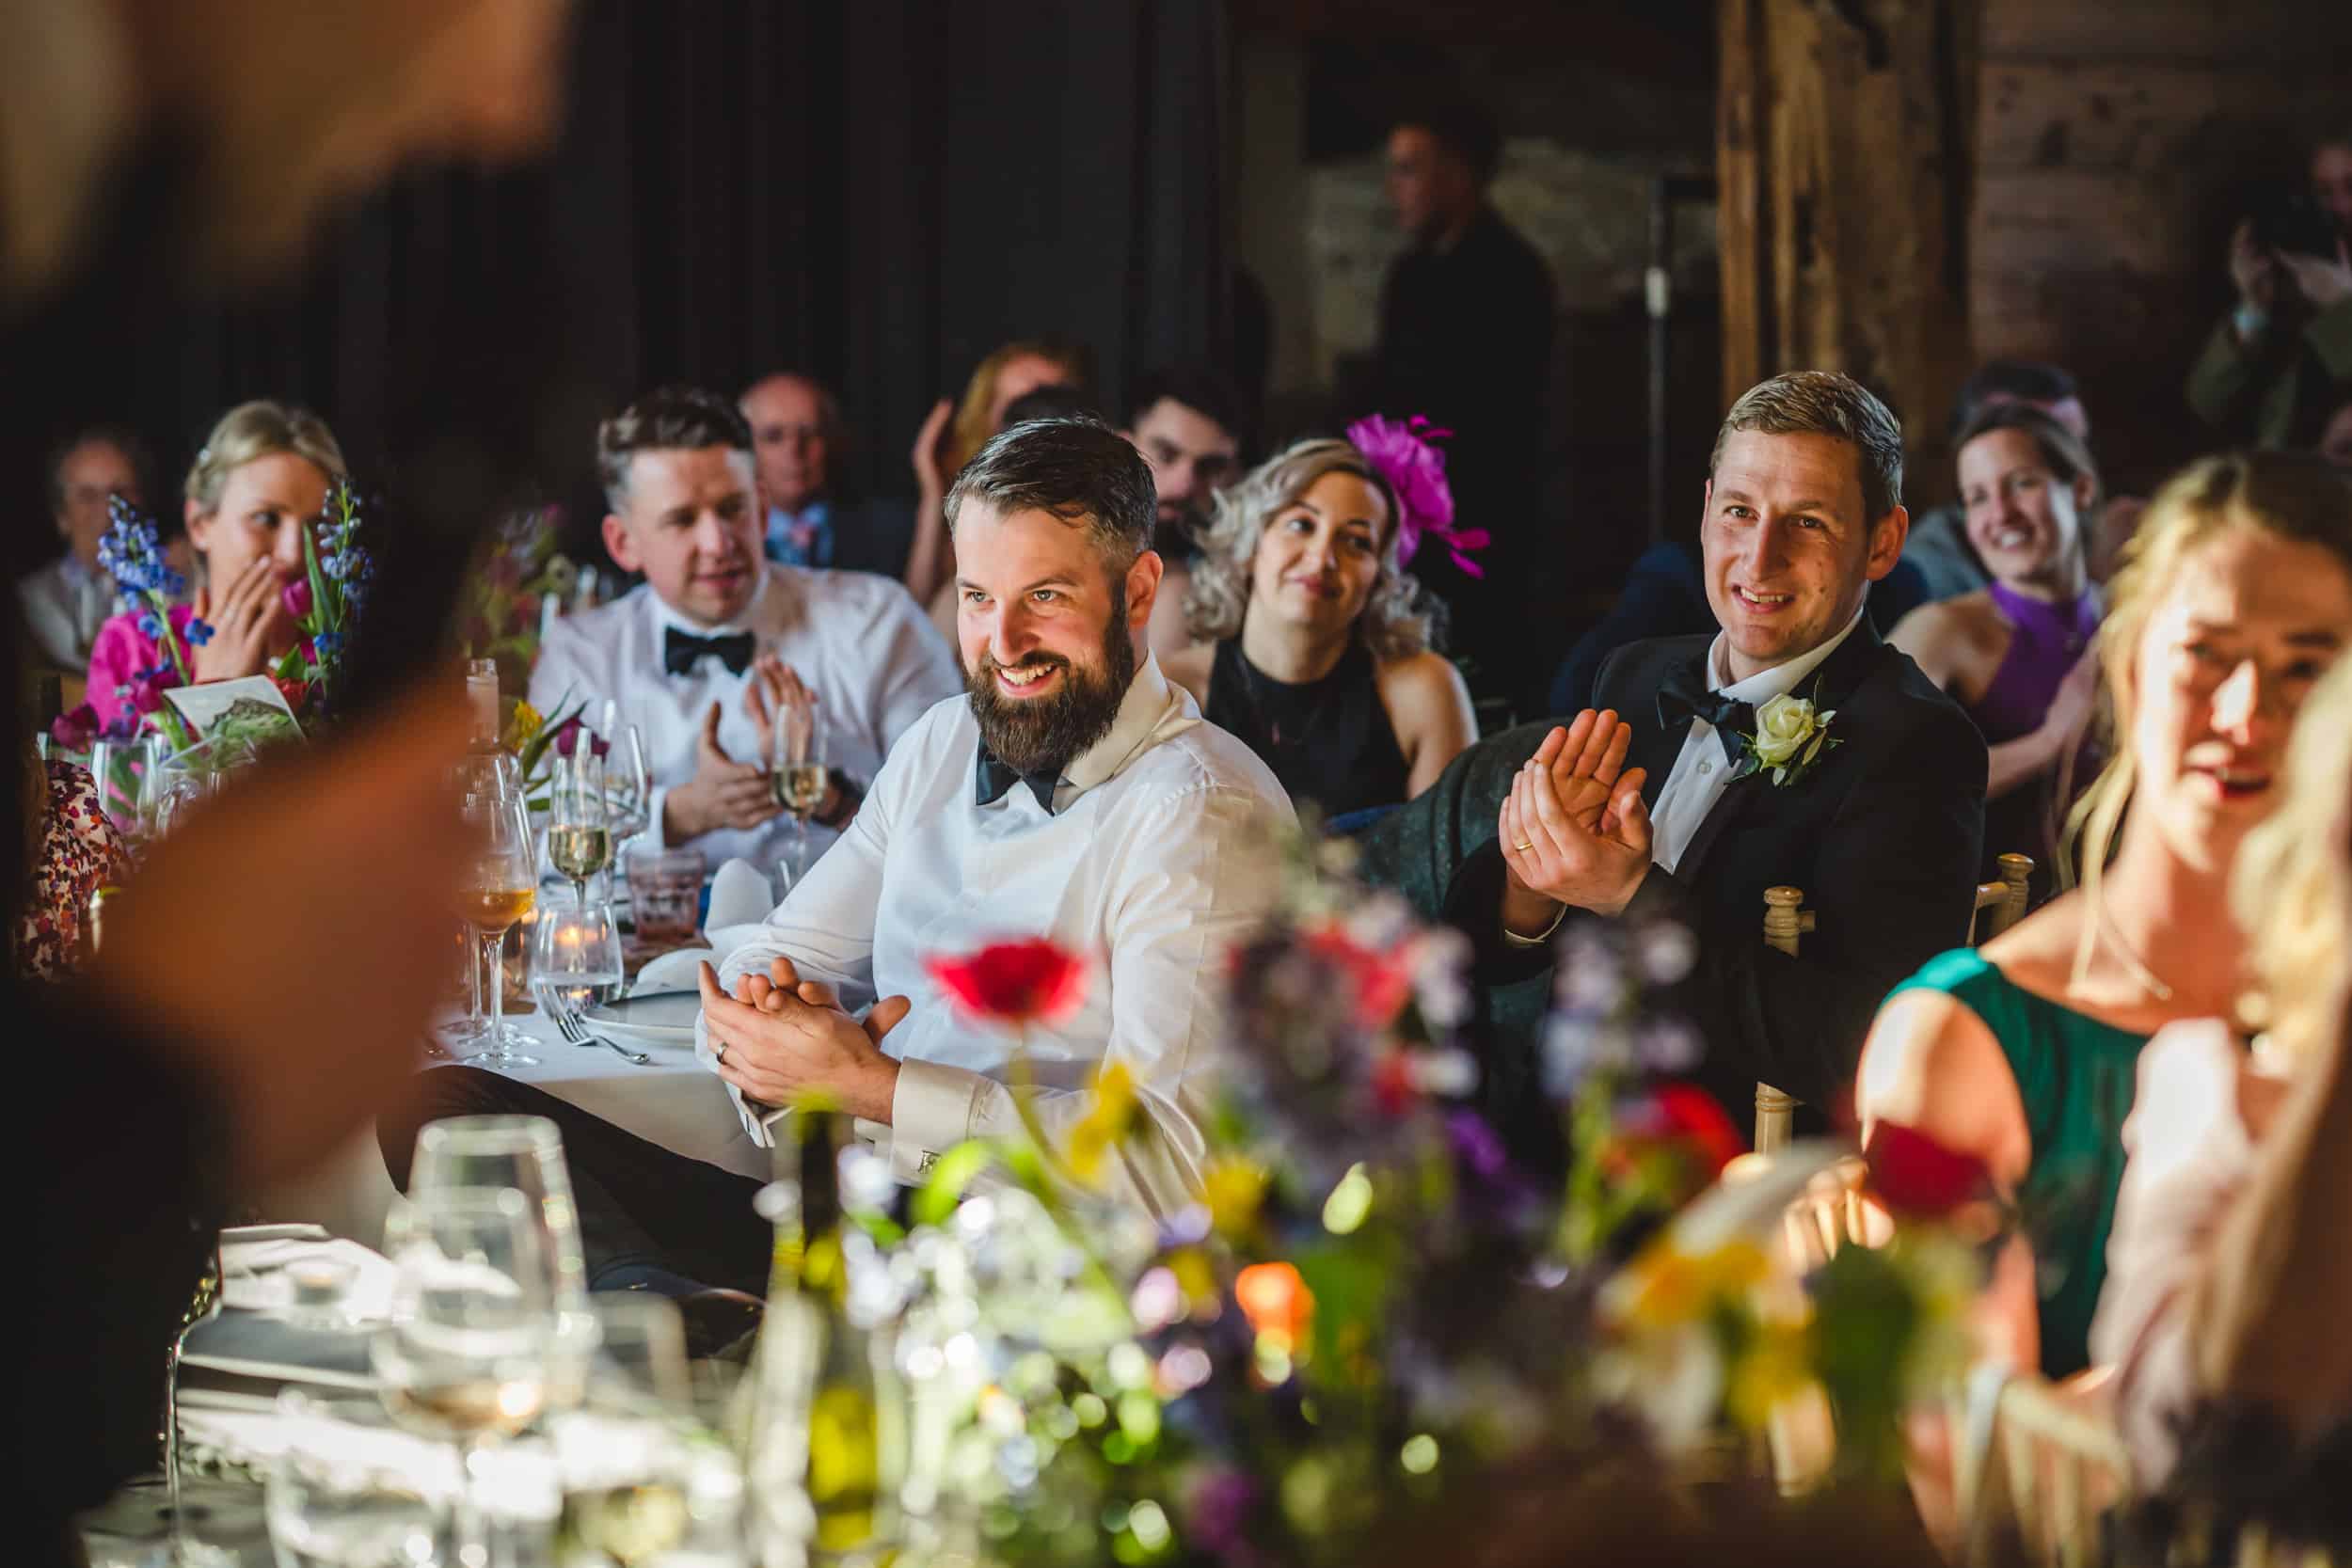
<point>942,450</point>
<point>261,477</point>
<point>2228,1279</point>
<point>1313,643</point>
<point>2234,598</point>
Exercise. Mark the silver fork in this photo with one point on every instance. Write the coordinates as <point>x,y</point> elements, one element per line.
<point>567,1023</point>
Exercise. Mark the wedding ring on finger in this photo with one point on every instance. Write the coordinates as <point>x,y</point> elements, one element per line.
<point>1524,845</point>
<point>721,1053</point>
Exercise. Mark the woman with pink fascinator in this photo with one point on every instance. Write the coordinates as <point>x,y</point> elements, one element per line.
<point>1312,643</point>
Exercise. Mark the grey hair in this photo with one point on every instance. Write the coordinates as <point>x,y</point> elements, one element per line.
<point>1823,403</point>
<point>1399,619</point>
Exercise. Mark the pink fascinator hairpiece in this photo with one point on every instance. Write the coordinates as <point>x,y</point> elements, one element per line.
<point>1405,452</point>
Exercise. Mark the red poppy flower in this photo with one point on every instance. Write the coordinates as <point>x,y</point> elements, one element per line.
<point>296,692</point>
<point>1382,979</point>
<point>1690,1115</point>
<point>1913,1173</point>
<point>1034,980</point>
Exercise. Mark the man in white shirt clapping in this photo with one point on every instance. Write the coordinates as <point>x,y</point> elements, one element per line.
<point>1075,795</point>
<point>700,654</point>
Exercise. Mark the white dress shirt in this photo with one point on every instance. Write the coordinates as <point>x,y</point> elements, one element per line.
<point>65,603</point>
<point>1158,857</point>
<point>1701,772</point>
<point>874,660</point>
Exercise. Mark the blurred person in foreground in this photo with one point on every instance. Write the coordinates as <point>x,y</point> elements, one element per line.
<point>2282,357</point>
<point>186,1066</point>
<point>2021,1053</point>
<point>2228,1277</point>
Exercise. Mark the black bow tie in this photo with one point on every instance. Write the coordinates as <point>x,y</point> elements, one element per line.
<point>995,776</point>
<point>1683,696</point>
<point>680,649</point>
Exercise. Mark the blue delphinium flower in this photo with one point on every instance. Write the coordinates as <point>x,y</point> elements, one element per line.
<point>326,644</point>
<point>197,632</point>
<point>151,626</point>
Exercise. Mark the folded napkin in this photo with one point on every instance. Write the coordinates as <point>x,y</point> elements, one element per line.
<point>672,972</point>
<point>259,1276</point>
<point>740,895</point>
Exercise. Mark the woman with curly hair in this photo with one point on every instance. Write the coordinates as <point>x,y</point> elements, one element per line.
<point>1313,646</point>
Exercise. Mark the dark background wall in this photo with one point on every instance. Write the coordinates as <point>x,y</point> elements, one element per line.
<point>879,192</point>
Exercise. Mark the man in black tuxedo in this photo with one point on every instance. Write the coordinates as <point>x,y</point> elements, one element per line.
<point>1658,805</point>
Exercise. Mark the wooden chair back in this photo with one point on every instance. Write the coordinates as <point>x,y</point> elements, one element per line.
<point>2041,1467</point>
<point>2000,904</point>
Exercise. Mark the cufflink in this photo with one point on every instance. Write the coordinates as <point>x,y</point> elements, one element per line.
<point>923,1167</point>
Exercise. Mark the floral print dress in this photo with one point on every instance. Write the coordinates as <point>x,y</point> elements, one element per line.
<point>79,852</point>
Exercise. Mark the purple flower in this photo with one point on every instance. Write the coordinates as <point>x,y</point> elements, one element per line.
<point>566,737</point>
<point>295,597</point>
<point>1406,455</point>
<point>599,746</point>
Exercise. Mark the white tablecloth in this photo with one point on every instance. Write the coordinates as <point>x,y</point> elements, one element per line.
<point>674,1102</point>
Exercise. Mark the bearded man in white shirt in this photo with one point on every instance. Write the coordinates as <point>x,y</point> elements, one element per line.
<point>700,656</point>
<point>1072,793</point>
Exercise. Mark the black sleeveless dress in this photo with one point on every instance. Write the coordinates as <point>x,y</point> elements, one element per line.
<point>1329,741</point>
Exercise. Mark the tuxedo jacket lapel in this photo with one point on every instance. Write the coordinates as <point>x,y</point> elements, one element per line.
<point>1838,675</point>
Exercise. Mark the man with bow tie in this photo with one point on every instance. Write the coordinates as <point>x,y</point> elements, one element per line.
<point>701,655</point>
<point>1792,748</point>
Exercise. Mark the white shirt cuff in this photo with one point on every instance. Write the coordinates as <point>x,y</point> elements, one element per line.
<point>931,1112</point>
<point>657,827</point>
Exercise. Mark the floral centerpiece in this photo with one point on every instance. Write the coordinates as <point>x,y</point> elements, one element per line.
<point>1373,1304</point>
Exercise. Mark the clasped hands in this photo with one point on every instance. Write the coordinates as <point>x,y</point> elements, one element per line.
<point>779,1036</point>
<point>1573,828</point>
<point>725,793</point>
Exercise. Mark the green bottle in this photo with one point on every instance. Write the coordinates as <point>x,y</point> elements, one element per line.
<point>828,1431</point>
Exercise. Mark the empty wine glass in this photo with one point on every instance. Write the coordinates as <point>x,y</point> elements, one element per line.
<point>525,1153</point>
<point>796,773</point>
<point>628,779</point>
<point>499,886</point>
<point>576,958</point>
<point>465,1358</point>
<point>580,835</point>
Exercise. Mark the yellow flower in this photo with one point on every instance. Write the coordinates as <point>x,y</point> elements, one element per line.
<point>1232,1188</point>
<point>522,722</point>
<point>1773,1368</point>
<point>1105,1122</point>
<point>1194,1275</point>
<point>1671,1287</point>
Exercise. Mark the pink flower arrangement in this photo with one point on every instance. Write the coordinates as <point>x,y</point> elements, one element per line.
<point>1406,455</point>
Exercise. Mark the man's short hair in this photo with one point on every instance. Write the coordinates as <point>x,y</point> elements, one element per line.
<point>1465,130</point>
<point>828,406</point>
<point>672,419</point>
<point>1079,469</point>
<point>1199,388</point>
<point>1053,401</point>
<point>2011,380</point>
<point>1823,403</point>
<point>133,452</point>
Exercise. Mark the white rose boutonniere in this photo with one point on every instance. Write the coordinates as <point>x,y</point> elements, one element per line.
<point>1791,735</point>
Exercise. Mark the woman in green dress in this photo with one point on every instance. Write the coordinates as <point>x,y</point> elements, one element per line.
<point>2234,596</point>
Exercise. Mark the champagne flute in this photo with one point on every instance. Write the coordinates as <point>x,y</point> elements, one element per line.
<point>499,889</point>
<point>580,835</point>
<point>797,773</point>
<point>626,776</point>
<point>465,1358</point>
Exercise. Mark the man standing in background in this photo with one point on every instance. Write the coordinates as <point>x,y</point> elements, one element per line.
<point>1465,332</point>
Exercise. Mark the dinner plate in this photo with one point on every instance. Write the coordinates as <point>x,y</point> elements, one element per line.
<point>664,1020</point>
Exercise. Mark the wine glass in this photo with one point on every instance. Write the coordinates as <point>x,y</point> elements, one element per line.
<point>499,885</point>
<point>580,835</point>
<point>797,773</point>
<point>525,1153</point>
<point>465,1358</point>
<point>576,959</point>
<point>351,1489</point>
<point>626,776</point>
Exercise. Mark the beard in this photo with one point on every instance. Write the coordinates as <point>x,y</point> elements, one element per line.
<point>1039,734</point>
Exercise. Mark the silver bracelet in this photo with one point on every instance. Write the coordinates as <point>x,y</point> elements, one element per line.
<point>1540,938</point>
